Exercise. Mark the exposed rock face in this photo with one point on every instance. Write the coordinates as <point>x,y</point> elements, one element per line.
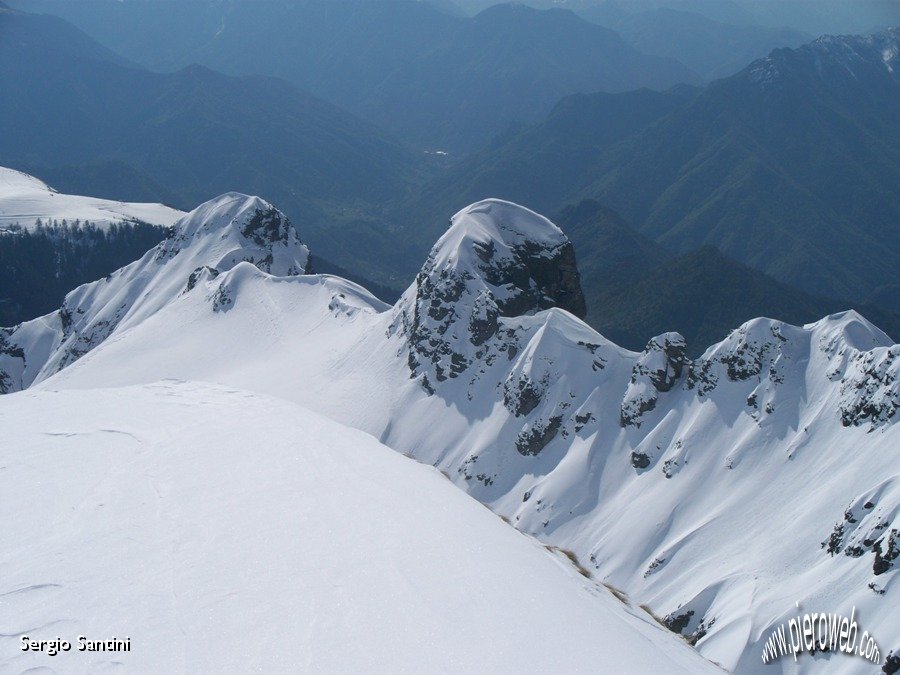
<point>521,394</point>
<point>658,370</point>
<point>13,357</point>
<point>871,390</point>
<point>672,347</point>
<point>534,277</point>
<point>532,441</point>
<point>868,530</point>
<point>497,260</point>
<point>203,273</point>
<point>754,350</point>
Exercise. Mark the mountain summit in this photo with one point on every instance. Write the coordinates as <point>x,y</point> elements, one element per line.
<point>834,57</point>
<point>523,259</point>
<point>498,259</point>
<point>227,231</point>
<point>236,228</point>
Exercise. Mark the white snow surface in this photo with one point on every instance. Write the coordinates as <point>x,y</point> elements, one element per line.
<point>762,474</point>
<point>24,199</point>
<point>493,221</point>
<point>225,531</point>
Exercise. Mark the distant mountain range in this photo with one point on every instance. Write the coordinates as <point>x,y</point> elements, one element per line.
<point>791,166</point>
<point>194,132</point>
<point>713,49</point>
<point>436,80</point>
<point>809,16</point>
<point>636,288</point>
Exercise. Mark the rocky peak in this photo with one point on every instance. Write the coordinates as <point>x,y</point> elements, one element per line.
<point>497,259</point>
<point>234,228</point>
<point>663,361</point>
<point>865,362</point>
<point>522,259</point>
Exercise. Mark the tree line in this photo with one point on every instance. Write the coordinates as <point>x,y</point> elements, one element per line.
<point>39,265</point>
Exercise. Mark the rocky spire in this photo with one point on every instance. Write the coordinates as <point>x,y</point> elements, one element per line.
<point>497,259</point>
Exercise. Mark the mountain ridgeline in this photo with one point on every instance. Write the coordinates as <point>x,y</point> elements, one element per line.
<point>195,132</point>
<point>787,169</point>
<point>483,369</point>
<point>436,80</point>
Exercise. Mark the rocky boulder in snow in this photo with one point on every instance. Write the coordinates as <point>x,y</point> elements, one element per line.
<point>870,392</point>
<point>658,369</point>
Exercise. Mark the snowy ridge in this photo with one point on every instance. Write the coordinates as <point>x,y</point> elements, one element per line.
<point>214,238</point>
<point>715,490</point>
<point>25,199</point>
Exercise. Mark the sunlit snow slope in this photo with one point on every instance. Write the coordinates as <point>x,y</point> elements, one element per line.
<point>225,531</point>
<point>25,199</point>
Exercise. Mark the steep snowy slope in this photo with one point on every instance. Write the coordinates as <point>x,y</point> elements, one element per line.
<point>218,235</point>
<point>24,199</point>
<point>720,491</point>
<point>224,531</point>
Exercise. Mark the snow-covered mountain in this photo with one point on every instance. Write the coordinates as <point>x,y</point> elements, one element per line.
<point>719,492</point>
<point>212,239</point>
<point>25,199</point>
<point>855,57</point>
